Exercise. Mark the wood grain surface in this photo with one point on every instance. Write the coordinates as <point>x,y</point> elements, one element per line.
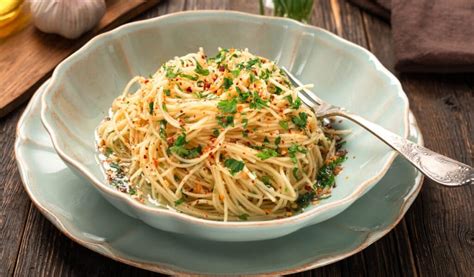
<point>35,54</point>
<point>435,238</point>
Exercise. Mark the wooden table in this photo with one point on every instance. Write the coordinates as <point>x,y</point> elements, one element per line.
<point>435,238</point>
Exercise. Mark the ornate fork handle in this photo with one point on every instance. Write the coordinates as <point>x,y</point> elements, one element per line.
<point>437,167</point>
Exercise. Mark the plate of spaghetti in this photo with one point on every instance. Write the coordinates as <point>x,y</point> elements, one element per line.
<point>187,123</point>
<point>222,138</point>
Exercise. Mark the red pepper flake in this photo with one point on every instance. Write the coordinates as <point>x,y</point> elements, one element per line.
<point>145,157</point>
<point>307,187</point>
<point>170,140</point>
<point>221,68</point>
<point>146,81</point>
<point>189,89</point>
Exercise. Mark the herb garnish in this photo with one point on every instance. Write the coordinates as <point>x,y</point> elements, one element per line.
<point>200,70</point>
<point>267,153</point>
<point>163,129</point>
<point>227,83</point>
<point>245,121</point>
<point>225,121</point>
<point>300,120</point>
<point>293,104</point>
<point>228,106</point>
<point>243,96</point>
<point>150,107</point>
<point>326,176</point>
<point>295,149</point>
<point>266,181</point>
<point>257,102</point>
<point>233,165</point>
<point>283,124</point>
<point>179,201</point>
<point>179,149</point>
<point>243,216</point>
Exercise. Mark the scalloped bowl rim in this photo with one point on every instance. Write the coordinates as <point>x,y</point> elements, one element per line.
<point>110,35</point>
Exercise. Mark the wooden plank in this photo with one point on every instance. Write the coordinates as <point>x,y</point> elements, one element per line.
<point>14,201</point>
<point>29,57</point>
<point>440,222</point>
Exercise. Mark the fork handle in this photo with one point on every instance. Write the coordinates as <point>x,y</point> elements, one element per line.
<point>435,166</point>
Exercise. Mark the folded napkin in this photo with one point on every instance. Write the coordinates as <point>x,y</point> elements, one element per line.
<point>429,35</point>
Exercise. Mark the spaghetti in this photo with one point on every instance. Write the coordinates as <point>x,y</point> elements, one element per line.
<point>222,138</point>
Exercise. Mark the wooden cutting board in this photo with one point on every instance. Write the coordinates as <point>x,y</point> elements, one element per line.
<point>29,57</point>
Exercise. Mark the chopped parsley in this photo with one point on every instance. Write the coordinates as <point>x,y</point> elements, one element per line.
<point>252,78</point>
<point>295,149</point>
<point>227,83</point>
<point>163,129</point>
<point>257,102</point>
<point>170,74</point>
<point>295,173</point>
<point>326,176</point>
<point>243,96</point>
<point>266,181</point>
<point>233,165</point>
<point>179,201</point>
<point>301,120</point>
<point>150,107</point>
<point>167,92</point>
<point>293,104</point>
<point>228,106</point>
<point>252,63</point>
<point>164,107</point>
<point>265,74</point>
<point>225,121</point>
<point>216,132</point>
<point>245,121</point>
<point>190,77</point>
<point>235,72</point>
<point>108,151</point>
<point>267,153</point>
<point>201,71</point>
<point>277,141</point>
<point>179,148</point>
<point>283,124</point>
<point>305,199</point>
<point>243,216</point>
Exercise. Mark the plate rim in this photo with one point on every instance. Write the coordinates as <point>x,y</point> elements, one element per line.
<point>303,218</point>
<point>170,269</point>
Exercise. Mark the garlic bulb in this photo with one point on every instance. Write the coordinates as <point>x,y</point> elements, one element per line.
<point>68,18</point>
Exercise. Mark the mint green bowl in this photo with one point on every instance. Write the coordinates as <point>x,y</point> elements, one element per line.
<point>83,86</point>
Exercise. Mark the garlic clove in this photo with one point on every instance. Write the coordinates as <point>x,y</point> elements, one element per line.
<point>68,18</point>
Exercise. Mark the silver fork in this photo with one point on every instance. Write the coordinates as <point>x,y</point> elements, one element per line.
<point>437,167</point>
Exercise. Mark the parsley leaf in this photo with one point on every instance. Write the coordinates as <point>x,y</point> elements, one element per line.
<point>305,199</point>
<point>150,107</point>
<point>243,216</point>
<point>216,132</point>
<point>265,74</point>
<point>267,153</point>
<point>170,74</point>
<point>245,121</point>
<point>252,78</point>
<point>293,104</point>
<point>163,129</point>
<point>233,165</point>
<point>228,106</point>
<point>190,77</point>
<point>252,63</point>
<point>295,174</point>
<point>179,202</point>
<point>235,72</point>
<point>257,102</point>
<point>326,176</point>
<point>164,107</point>
<point>243,96</point>
<point>167,92</point>
<point>300,120</point>
<point>225,121</point>
<point>199,70</point>
<point>108,151</point>
<point>179,149</point>
<point>283,124</point>
<point>227,83</point>
<point>266,181</point>
<point>295,149</point>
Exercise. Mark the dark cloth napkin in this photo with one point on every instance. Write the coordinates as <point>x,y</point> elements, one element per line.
<point>429,35</point>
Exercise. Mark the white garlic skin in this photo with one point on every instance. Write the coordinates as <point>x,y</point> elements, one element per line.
<point>68,18</point>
